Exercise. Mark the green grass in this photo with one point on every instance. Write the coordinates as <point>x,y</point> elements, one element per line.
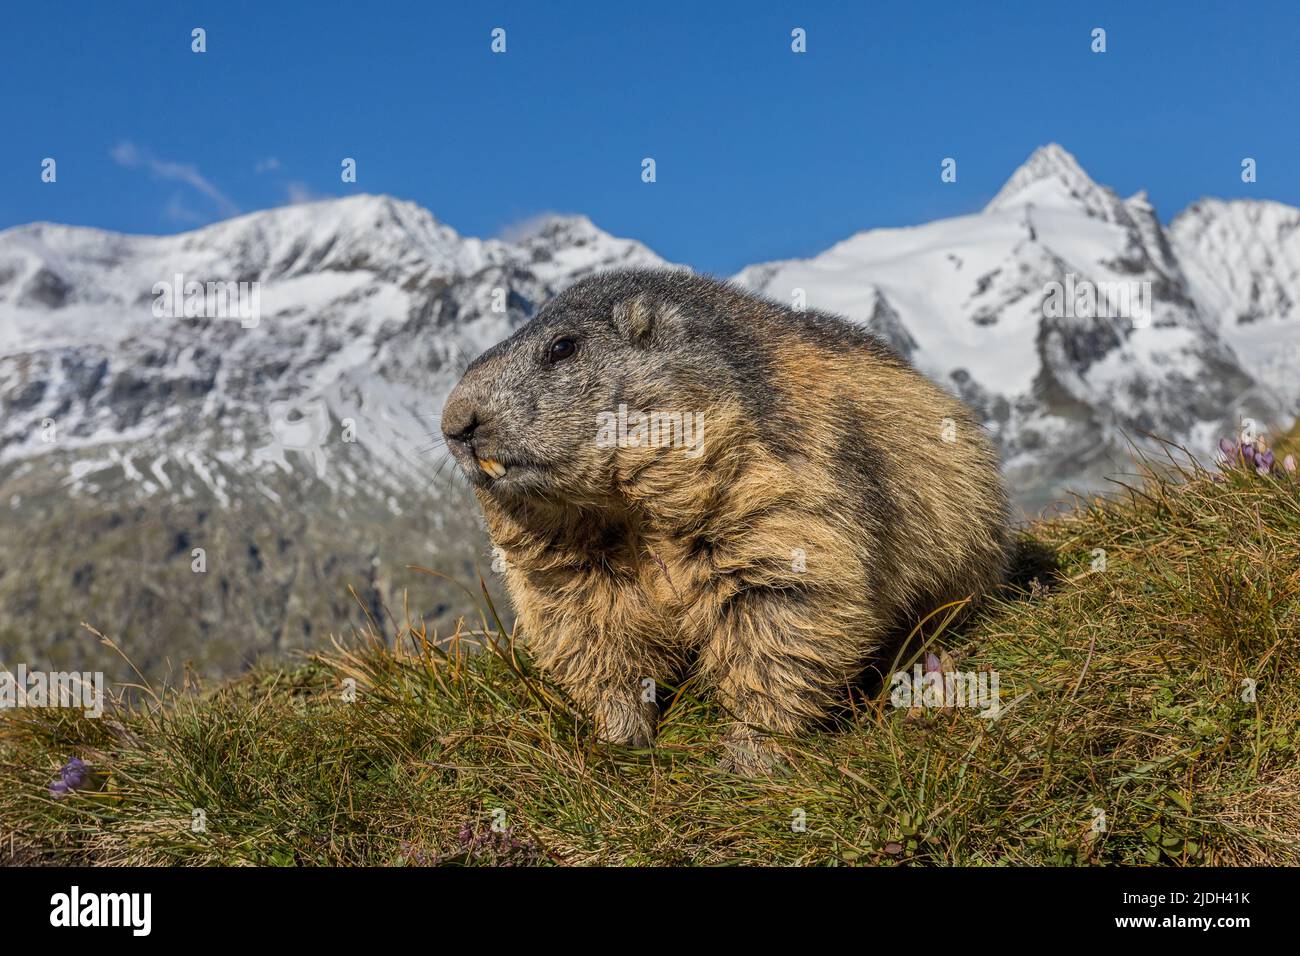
<point>1122,694</point>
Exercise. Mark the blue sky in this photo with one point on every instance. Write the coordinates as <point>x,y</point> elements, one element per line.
<point>761,153</point>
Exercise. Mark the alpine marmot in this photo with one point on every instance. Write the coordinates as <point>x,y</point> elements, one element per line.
<point>684,475</point>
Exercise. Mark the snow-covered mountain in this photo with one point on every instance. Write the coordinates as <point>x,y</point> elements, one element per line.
<point>364,304</point>
<point>1192,328</point>
<point>294,443</point>
<point>1242,262</point>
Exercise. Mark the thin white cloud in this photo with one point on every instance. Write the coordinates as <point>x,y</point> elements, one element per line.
<point>299,192</point>
<point>176,209</point>
<point>266,165</point>
<point>131,156</point>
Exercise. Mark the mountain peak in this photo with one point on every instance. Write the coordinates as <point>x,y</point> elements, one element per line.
<point>1052,177</point>
<point>360,213</point>
<point>364,231</point>
<point>566,228</point>
<point>561,246</point>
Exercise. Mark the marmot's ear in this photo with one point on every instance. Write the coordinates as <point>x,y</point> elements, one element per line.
<point>639,316</point>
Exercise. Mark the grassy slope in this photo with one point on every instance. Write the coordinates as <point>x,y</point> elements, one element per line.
<point>1121,690</point>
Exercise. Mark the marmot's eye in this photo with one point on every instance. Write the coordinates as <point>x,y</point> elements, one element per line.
<point>561,349</point>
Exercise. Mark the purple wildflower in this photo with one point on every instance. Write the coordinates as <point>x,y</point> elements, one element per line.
<point>417,856</point>
<point>71,776</point>
<point>501,847</point>
<point>1253,455</point>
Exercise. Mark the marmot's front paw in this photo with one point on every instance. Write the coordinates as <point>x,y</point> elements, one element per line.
<point>629,724</point>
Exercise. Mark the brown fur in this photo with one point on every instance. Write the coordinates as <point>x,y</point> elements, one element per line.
<point>651,559</point>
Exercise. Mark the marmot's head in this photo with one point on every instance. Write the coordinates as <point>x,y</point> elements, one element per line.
<point>526,418</point>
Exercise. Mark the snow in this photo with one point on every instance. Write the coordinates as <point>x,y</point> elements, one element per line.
<point>1242,261</point>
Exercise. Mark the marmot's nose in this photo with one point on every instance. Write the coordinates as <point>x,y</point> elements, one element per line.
<point>460,418</point>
